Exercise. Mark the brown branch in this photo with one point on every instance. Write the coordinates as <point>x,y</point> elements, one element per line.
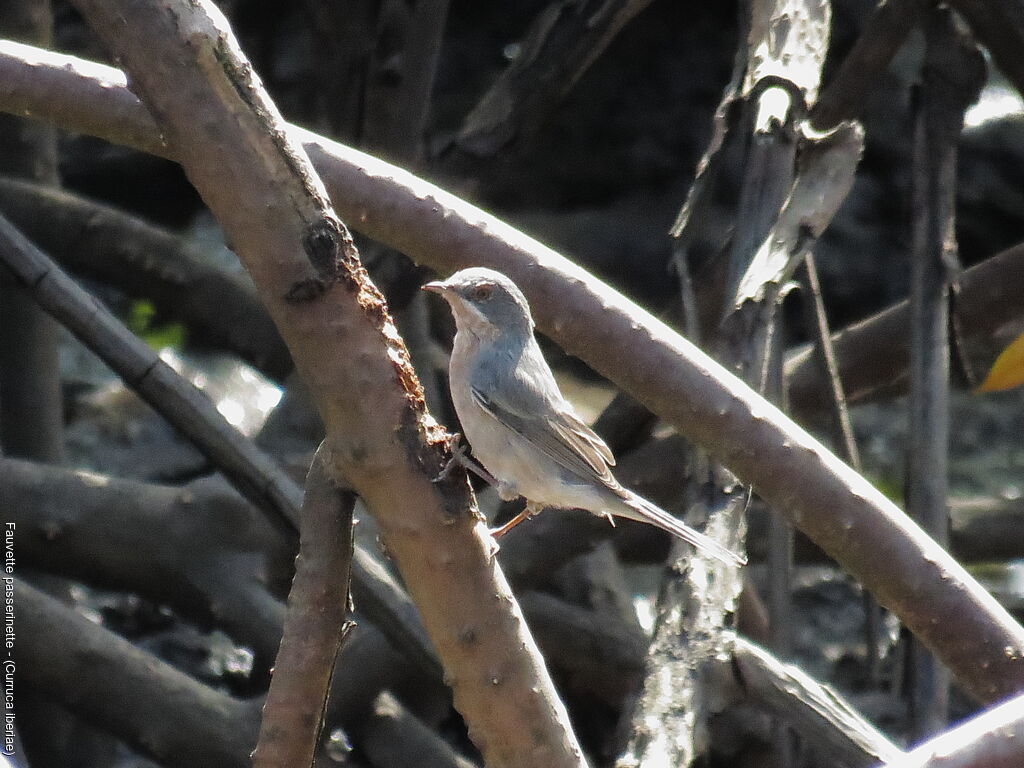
<point>386,203</point>
<point>999,26</point>
<point>863,530</point>
<point>107,681</point>
<point>874,354</point>
<point>314,628</point>
<point>562,43</point>
<point>814,710</point>
<point>184,61</point>
<point>845,95</point>
<point>185,407</point>
<point>993,739</point>
<point>112,246</point>
<point>253,473</point>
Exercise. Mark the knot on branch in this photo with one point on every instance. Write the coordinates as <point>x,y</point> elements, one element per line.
<point>322,243</point>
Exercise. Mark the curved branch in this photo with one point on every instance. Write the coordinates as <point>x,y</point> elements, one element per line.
<point>864,531</point>
<point>185,62</point>
<point>815,710</point>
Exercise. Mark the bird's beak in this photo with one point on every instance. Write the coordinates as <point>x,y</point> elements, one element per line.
<point>438,287</point>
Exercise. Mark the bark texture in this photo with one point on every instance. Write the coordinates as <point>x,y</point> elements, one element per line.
<point>838,509</point>
<point>257,181</point>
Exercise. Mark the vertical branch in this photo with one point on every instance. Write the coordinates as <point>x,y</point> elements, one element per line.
<point>401,136</point>
<point>953,74</point>
<point>316,624</point>
<point>842,427</point>
<point>31,408</point>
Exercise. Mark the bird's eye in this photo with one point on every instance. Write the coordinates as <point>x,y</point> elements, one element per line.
<point>482,292</point>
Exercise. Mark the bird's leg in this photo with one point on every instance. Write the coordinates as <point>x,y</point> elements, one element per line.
<point>529,511</point>
<point>461,458</point>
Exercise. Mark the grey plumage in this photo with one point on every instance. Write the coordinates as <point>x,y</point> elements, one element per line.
<point>520,427</point>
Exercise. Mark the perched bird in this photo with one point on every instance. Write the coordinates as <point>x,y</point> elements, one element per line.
<point>526,435</point>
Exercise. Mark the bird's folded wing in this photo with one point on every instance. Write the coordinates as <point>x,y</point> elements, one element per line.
<point>562,436</point>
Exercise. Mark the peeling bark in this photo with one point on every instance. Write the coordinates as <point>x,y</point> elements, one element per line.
<point>863,530</point>
<point>257,181</point>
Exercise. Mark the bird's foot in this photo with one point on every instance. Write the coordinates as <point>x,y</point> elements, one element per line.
<point>529,511</point>
<point>460,457</point>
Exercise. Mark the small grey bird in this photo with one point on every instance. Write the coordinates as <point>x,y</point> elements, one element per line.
<point>526,435</point>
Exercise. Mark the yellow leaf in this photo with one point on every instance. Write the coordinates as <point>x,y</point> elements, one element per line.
<point>1007,371</point>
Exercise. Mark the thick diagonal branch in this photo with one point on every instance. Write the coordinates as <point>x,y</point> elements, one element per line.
<point>185,63</point>
<point>862,529</point>
<point>252,472</point>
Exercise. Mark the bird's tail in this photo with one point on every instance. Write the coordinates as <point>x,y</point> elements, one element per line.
<point>643,510</point>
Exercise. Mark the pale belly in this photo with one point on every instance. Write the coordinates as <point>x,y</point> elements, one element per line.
<point>520,468</point>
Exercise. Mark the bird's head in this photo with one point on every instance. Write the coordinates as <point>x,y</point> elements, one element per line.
<point>485,302</point>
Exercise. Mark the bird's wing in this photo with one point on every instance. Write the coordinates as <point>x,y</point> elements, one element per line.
<point>560,435</point>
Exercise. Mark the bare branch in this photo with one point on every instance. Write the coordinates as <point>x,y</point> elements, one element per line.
<point>816,711</point>
<point>993,739</point>
<point>868,534</point>
<point>259,184</point>
<point>563,41</point>
<point>314,627</point>
<point>142,260</point>
<point>160,711</point>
